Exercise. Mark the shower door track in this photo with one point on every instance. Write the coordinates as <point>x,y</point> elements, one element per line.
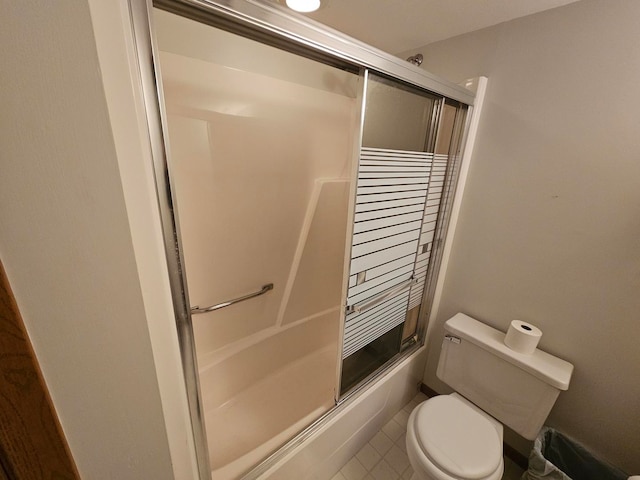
<point>272,25</point>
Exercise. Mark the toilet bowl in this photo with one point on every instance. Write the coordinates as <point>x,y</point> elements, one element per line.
<point>459,436</point>
<point>449,438</point>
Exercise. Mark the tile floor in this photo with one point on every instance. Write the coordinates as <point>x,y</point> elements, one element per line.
<point>385,456</point>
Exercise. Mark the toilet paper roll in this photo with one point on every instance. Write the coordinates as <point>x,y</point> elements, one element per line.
<point>522,337</point>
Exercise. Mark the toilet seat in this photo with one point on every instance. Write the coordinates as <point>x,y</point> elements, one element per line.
<point>451,438</point>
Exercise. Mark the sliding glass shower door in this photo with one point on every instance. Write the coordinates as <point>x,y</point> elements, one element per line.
<point>261,146</point>
<point>400,186</point>
<point>308,195</point>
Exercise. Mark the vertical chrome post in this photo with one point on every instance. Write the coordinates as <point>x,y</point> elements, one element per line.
<point>150,81</point>
<point>361,100</point>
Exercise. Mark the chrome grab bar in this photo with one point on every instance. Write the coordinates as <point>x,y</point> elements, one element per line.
<point>262,291</point>
<point>369,304</point>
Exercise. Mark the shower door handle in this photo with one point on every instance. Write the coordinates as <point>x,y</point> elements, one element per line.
<point>262,291</point>
<point>377,300</point>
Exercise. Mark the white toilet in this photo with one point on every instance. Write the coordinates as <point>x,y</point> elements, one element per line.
<point>459,436</point>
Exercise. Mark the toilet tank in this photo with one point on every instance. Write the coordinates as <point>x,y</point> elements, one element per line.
<point>518,390</point>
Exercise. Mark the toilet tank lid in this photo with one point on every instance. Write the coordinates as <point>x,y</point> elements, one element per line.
<point>548,368</point>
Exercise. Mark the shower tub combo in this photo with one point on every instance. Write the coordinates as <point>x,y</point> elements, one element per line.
<point>306,183</point>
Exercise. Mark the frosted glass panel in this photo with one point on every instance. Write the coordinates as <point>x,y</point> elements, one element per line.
<point>401,187</point>
<point>390,202</point>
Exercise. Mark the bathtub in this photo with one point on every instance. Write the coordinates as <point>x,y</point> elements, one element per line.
<point>257,395</point>
<point>345,430</point>
<point>260,394</point>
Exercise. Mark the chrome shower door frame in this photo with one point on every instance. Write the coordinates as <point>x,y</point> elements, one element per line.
<point>272,25</point>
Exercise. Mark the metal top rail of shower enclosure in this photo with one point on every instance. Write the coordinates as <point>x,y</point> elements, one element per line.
<point>273,25</point>
<point>267,22</point>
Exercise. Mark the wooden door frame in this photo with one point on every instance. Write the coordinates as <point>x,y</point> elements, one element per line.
<point>32,444</point>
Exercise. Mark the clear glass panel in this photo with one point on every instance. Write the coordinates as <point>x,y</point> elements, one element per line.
<point>445,132</point>
<point>359,365</point>
<point>397,116</point>
<point>410,323</point>
<point>261,143</point>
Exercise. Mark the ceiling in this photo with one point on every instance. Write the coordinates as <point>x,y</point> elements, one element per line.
<point>399,25</point>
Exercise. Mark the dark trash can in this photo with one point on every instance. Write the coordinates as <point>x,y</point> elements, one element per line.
<point>556,457</point>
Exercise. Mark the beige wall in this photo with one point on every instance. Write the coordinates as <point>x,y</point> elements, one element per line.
<point>66,241</point>
<point>550,223</point>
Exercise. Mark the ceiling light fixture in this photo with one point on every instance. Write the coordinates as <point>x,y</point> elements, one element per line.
<point>304,6</point>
